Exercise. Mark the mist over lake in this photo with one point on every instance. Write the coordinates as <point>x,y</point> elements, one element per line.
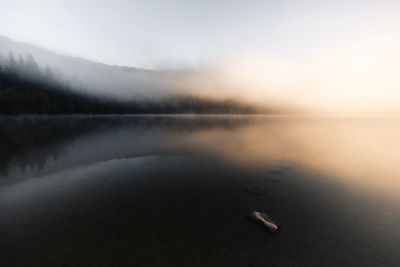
<point>174,190</point>
<point>199,133</point>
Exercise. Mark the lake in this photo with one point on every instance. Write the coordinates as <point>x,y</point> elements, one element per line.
<point>175,190</point>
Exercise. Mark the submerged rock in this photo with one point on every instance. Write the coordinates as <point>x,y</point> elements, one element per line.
<point>264,219</point>
<point>276,171</point>
<point>255,190</point>
<point>275,180</point>
<point>276,174</point>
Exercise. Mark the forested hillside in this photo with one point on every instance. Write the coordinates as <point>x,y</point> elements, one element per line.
<point>25,88</point>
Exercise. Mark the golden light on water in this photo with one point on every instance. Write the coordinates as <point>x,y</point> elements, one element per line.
<point>361,153</point>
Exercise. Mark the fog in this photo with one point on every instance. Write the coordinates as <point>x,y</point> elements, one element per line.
<point>361,78</point>
<point>95,78</point>
<point>317,56</point>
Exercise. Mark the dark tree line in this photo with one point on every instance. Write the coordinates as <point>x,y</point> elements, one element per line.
<point>25,88</point>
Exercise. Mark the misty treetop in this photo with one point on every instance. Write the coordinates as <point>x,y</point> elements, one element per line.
<point>26,68</point>
<point>26,88</point>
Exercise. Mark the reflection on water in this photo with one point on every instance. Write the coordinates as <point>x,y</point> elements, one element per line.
<point>360,152</point>
<point>317,175</point>
<point>38,145</point>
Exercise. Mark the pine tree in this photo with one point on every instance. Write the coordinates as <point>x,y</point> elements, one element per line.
<point>32,69</point>
<point>49,76</point>
<point>48,73</point>
<point>11,63</point>
<point>21,66</point>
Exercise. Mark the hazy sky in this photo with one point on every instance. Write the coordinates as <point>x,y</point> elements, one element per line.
<point>336,55</point>
<point>165,33</point>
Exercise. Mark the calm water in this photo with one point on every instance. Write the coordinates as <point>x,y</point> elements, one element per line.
<point>174,191</point>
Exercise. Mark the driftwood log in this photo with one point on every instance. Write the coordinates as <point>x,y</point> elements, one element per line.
<point>264,220</point>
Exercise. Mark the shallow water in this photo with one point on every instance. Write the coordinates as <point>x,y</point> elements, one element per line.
<point>174,190</point>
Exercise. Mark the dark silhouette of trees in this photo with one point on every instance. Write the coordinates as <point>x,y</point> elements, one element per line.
<point>11,63</point>
<point>32,70</point>
<point>21,63</point>
<point>26,89</point>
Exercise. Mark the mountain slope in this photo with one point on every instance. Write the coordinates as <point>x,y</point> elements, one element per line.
<point>19,95</point>
<point>101,79</point>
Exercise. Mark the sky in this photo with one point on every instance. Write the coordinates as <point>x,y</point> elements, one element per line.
<point>160,33</point>
<point>343,51</point>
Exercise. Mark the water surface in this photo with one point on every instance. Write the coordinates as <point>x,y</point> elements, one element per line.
<point>174,190</point>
